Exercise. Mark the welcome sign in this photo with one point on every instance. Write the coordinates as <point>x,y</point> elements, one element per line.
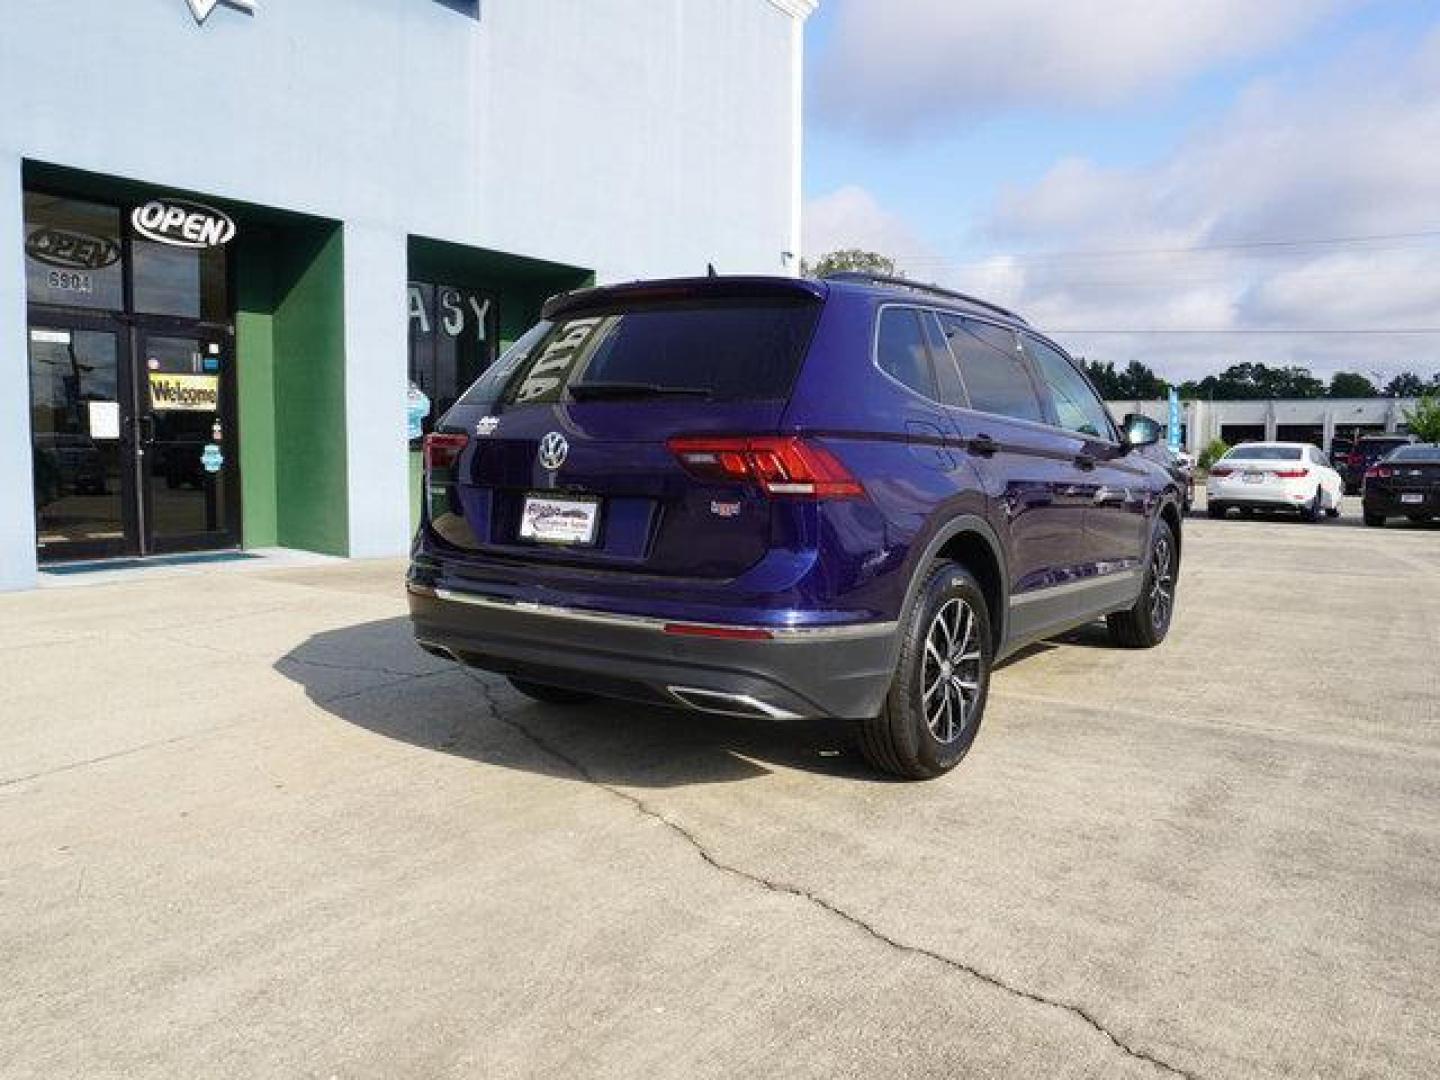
<point>184,393</point>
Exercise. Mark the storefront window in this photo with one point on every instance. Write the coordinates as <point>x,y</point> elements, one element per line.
<point>453,335</point>
<point>184,282</point>
<point>73,253</point>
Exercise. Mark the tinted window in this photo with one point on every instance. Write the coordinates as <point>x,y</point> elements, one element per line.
<point>996,377</point>
<point>72,253</point>
<point>722,352</point>
<point>1416,453</point>
<point>185,282</point>
<point>1264,453</point>
<point>1076,406</point>
<point>901,351</point>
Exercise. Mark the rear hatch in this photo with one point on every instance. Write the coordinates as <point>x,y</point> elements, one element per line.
<point>568,456</point>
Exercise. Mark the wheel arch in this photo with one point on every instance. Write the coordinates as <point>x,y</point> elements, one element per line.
<point>970,541</point>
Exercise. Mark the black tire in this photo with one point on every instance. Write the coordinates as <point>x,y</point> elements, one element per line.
<point>1374,520</point>
<point>1216,510</point>
<point>551,695</point>
<point>1311,512</point>
<point>905,740</point>
<point>1145,625</point>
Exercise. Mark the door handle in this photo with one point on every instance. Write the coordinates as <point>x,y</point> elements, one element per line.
<point>145,429</point>
<point>984,446</point>
<point>1085,461</point>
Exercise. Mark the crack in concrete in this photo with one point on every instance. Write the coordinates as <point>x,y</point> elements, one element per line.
<point>1080,1012</point>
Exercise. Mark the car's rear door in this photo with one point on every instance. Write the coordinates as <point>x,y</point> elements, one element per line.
<point>1025,464</point>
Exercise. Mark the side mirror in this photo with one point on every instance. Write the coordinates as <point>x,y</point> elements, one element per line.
<point>1140,431</point>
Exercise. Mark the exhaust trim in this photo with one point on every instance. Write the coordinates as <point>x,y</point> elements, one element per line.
<point>727,704</point>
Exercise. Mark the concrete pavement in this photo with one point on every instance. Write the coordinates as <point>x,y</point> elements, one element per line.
<point>249,830</point>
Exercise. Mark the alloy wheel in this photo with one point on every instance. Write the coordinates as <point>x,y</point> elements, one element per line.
<point>951,672</point>
<point>1162,583</point>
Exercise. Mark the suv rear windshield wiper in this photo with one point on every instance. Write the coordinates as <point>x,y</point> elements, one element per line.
<point>597,391</point>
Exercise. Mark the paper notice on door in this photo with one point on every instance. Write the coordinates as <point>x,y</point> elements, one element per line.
<point>50,337</point>
<point>184,393</point>
<point>104,419</point>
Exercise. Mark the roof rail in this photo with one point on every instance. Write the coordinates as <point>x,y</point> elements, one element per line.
<point>865,277</point>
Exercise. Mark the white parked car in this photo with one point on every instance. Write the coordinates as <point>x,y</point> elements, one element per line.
<point>1275,476</point>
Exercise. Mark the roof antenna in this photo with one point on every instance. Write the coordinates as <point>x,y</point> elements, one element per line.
<point>710,270</point>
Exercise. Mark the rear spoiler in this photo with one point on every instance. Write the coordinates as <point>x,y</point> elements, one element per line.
<point>671,290</point>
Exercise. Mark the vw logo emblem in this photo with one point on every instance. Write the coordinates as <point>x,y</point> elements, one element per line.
<point>553,451</point>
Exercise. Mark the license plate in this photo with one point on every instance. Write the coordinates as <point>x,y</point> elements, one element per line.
<point>549,520</point>
<point>1412,497</point>
<point>1254,477</point>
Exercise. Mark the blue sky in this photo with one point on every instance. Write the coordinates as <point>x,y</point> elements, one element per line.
<point>975,141</point>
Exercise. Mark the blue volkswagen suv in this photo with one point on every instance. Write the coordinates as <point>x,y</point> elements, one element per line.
<point>782,498</point>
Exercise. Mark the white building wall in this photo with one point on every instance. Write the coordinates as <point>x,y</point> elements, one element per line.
<point>635,137</point>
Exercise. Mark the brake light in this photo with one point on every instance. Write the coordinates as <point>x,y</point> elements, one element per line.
<point>783,465</point>
<point>443,449</point>
<point>1220,470</point>
<point>1291,474</point>
<point>1379,472</point>
<point>1355,459</point>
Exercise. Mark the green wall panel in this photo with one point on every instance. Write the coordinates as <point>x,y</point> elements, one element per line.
<point>309,376</point>
<point>255,355</point>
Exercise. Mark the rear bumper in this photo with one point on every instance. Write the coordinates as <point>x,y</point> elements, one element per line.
<point>1265,496</point>
<point>838,671</point>
<point>1389,502</point>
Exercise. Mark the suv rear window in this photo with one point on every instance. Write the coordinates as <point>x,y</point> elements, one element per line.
<point>1418,452</point>
<point>717,351</point>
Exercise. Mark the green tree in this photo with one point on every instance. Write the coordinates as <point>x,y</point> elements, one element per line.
<point>1109,382</point>
<point>848,259</point>
<point>1141,383</point>
<point>1406,384</point>
<point>1214,450</point>
<point>1348,384</point>
<point>1424,420</point>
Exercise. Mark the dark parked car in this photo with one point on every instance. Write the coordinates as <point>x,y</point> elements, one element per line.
<point>783,498</point>
<point>1405,483</point>
<point>1366,451</point>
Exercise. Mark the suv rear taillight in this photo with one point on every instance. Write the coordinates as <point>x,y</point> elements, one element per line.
<point>785,466</point>
<point>1355,459</point>
<point>1220,470</point>
<point>442,450</point>
<point>1291,474</point>
<point>1379,472</point>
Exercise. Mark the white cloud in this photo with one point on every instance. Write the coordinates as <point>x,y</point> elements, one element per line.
<point>851,217</point>
<point>1353,152</point>
<point>895,64</point>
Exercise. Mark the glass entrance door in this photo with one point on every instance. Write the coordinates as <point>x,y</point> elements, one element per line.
<point>84,490</point>
<point>187,470</point>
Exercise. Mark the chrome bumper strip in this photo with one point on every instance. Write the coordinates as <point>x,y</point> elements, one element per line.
<point>644,622</point>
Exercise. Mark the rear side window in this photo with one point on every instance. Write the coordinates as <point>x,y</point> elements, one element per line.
<point>1076,406</point>
<point>996,377</point>
<point>901,351</point>
<point>1264,453</point>
<point>725,351</point>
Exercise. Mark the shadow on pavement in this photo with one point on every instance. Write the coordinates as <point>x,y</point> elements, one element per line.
<point>372,675</point>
